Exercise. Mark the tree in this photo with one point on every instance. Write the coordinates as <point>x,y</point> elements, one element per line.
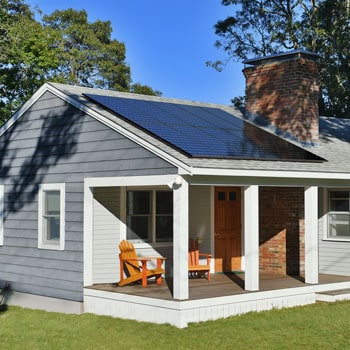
<point>263,27</point>
<point>25,55</point>
<point>138,88</point>
<point>63,47</point>
<point>87,54</point>
<point>333,43</point>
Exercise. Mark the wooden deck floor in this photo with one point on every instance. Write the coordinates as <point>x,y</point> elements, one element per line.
<point>220,285</point>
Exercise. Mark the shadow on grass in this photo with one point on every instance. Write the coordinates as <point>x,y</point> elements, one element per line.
<point>5,290</point>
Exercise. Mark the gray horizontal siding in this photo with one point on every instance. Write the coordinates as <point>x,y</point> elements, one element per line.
<point>91,157</point>
<point>84,167</point>
<point>46,143</point>
<point>56,143</point>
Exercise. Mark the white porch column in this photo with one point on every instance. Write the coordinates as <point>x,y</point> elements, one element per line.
<point>180,259</point>
<point>88,233</point>
<point>311,234</point>
<point>251,237</point>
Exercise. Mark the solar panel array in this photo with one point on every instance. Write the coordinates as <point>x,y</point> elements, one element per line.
<point>200,131</point>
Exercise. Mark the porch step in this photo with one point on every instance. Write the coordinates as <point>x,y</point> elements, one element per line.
<point>333,295</point>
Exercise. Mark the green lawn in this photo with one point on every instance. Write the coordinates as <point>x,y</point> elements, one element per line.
<point>318,326</point>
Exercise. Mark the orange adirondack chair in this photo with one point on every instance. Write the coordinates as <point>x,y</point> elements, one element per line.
<point>135,268</point>
<point>195,269</point>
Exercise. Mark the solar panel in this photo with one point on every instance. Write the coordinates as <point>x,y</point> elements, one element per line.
<point>202,131</point>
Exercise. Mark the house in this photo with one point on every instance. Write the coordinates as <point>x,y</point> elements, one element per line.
<point>268,192</point>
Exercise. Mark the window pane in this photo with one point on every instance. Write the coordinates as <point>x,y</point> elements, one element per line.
<point>232,196</point>
<point>339,225</point>
<point>339,201</point>
<point>138,220</point>
<point>221,196</point>
<point>164,202</point>
<point>339,205</point>
<point>138,227</point>
<point>164,216</point>
<point>339,194</point>
<point>164,228</point>
<point>139,202</point>
<point>52,202</point>
<point>52,228</point>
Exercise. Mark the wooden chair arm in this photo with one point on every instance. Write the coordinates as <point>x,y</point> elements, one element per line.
<point>159,259</point>
<point>138,259</point>
<point>206,255</point>
<point>146,258</point>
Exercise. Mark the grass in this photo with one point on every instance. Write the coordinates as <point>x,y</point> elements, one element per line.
<point>318,326</point>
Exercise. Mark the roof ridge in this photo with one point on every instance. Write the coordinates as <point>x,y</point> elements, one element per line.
<point>122,94</point>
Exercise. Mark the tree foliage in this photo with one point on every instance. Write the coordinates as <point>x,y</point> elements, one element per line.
<point>138,88</point>
<point>333,44</point>
<point>87,54</point>
<point>62,47</point>
<point>23,49</point>
<point>263,27</point>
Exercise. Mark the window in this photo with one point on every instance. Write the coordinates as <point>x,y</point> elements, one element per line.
<point>339,215</point>
<point>222,196</point>
<point>150,216</point>
<point>51,216</point>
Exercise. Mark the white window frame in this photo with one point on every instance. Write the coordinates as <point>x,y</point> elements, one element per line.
<point>327,236</point>
<point>42,242</point>
<point>2,194</point>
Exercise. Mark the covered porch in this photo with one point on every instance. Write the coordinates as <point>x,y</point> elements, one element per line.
<point>195,213</point>
<point>182,300</point>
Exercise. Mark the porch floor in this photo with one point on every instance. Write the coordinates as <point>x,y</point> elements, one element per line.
<point>221,284</point>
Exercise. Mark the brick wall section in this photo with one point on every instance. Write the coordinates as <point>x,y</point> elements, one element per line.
<point>285,92</point>
<point>281,231</point>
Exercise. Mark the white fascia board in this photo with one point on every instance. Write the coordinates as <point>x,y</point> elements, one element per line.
<point>271,174</point>
<point>151,180</point>
<point>106,121</point>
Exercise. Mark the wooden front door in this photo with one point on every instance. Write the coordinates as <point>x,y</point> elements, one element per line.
<point>227,229</point>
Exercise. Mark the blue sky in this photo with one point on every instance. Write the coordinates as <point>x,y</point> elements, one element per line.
<point>167,44</point>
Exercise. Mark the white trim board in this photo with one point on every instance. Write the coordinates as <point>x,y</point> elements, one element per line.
<point>266,174</point>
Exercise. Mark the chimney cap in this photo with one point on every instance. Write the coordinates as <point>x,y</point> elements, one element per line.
<point>282,56</point>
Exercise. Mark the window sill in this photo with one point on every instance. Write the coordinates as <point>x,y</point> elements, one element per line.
<point>51,246</point>
<point>336,239</point>
<point>141,245</point>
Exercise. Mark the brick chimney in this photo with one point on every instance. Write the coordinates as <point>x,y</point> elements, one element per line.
<point>283,89</point>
